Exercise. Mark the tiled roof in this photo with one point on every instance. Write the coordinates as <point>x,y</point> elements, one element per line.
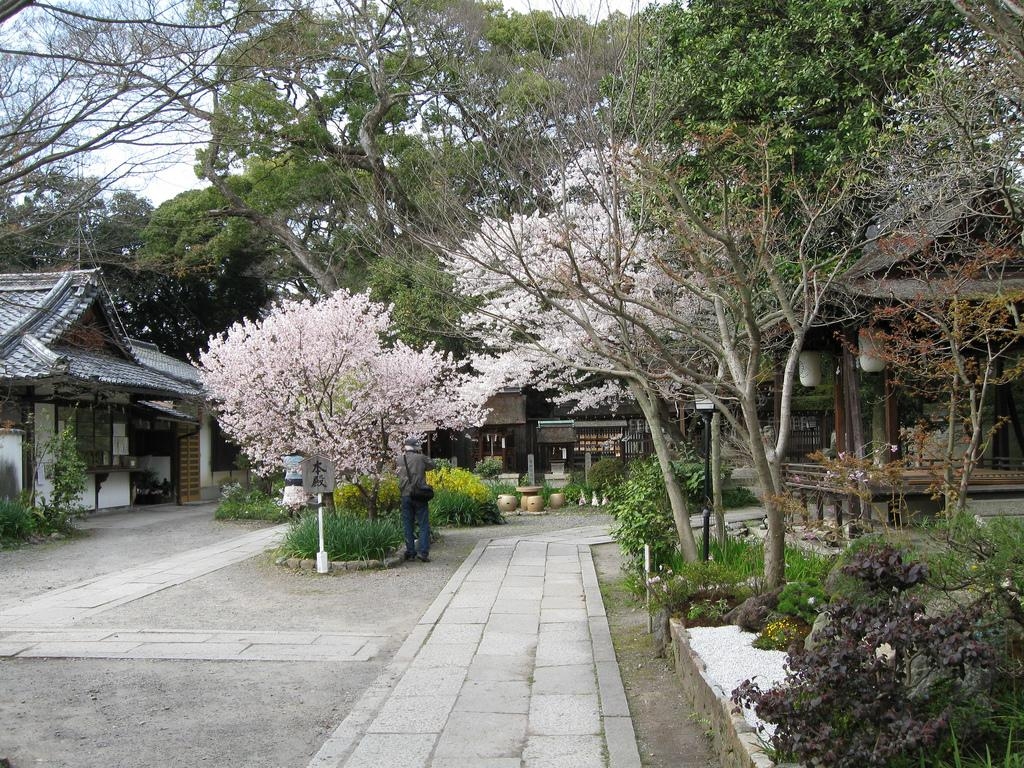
<point>44,304</point>
<point>151,356</point>
<point>84,365</point>
<point>38,309</point>
<point>168,411</point>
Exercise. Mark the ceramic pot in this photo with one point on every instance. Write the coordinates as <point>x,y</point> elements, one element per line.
<point>535,503</point>
<point>556,500</point>
<point>507,502</point>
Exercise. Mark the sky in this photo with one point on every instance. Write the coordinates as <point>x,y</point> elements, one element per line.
<point>161,185</point>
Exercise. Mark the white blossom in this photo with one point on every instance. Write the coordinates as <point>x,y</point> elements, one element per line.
<point>327,379</point>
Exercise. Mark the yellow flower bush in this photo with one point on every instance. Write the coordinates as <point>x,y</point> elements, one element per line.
<point>778,635</point>
<point>349,498</point>
<point>459,481</point>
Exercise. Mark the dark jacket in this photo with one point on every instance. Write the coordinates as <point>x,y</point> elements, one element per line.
<point>418,465</point>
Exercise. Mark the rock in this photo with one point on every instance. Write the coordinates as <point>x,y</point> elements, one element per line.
<point>752,614</point>
<point>820,622</point>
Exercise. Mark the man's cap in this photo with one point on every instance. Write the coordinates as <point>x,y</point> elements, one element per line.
<point>411,444</point>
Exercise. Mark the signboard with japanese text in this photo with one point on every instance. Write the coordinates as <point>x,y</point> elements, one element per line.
<point>317,474</point>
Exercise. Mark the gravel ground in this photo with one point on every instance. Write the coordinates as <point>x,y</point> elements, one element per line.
<point>730,659</point>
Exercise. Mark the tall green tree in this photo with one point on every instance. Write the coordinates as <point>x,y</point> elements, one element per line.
<point>175,277</point>
<point>758,115</point>
<point>819,78</point>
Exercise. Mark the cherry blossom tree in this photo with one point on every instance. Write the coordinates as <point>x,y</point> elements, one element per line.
<point>554,299</point>
<point>327,378</point>
<point>622,275</point>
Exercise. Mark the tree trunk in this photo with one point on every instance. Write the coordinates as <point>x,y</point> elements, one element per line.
<point>716,476</point>
<point>677,499</point>
<point>769,477</point>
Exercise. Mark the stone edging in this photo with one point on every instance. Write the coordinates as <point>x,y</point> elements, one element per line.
<point>334,566</point>
<point>735,742</point>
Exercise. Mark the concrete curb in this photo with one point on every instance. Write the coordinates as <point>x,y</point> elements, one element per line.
<point>338,566</point>
<point>735,742</point>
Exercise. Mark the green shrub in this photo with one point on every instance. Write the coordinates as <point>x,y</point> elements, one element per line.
<point>702,591</point>
<point>576,491</point>
<point>547,489</point>
<point>999,739</point>
<point>807,566</point>
<point>497,489</point>
<point>802,600</point>
<point>605,474</point>
<point>712,579</point>
<point>17,521</point>
<point>488,468</point>
<point>739,496</point>
<point>689,472</point>
<point>240,503</point>
<point>67,468</point>
<point>707,611</point>
<point>346,537</point>
<point>743,557</point>
<point>982,555</point>
<point>642,516</point>
<point>456,508</point>
<point>668,593</point>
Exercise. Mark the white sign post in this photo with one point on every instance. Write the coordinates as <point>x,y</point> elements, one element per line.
<point>318,478</point>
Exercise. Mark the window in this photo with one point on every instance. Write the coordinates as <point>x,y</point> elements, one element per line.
<point>223,453</point>
<point>101,433</point>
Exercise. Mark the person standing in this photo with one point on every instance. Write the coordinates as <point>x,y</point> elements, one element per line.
<point>412,470</point>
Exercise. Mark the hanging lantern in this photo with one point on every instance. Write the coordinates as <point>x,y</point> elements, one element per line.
<point>869,347</point>
<point>810,369</point>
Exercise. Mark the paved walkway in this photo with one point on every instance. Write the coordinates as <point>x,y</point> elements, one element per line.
<point>63,607</point>
<point>511,666</point>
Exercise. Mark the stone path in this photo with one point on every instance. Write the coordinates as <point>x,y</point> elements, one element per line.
<point>511,667</point>
<point>63,607</point>
<point>43,626</point>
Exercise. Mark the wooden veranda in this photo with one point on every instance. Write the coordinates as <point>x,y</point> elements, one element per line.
<point>902,490</point>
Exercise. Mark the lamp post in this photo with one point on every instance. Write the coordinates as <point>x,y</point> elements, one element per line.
<point>705,406</point>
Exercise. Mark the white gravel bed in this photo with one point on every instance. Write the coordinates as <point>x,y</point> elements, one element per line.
<point>730,659</point>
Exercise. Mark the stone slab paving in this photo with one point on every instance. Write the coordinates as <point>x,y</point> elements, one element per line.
<point>188,644</point>
<point>44,626</point>
<point>512,666</point>
<point>68,605</point>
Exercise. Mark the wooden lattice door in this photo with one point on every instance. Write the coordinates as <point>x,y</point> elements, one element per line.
<point>188,468</point>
